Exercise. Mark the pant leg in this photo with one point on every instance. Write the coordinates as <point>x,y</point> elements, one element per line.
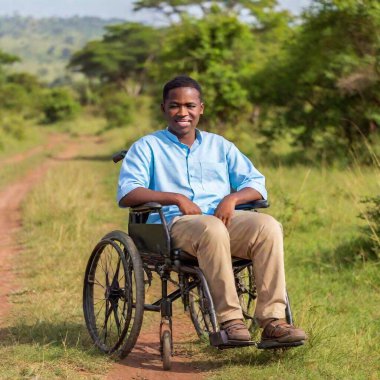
<point>259,237</point>
<point>207,238</point>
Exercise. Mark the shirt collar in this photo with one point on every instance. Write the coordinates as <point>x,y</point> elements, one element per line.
<point>174,138</point>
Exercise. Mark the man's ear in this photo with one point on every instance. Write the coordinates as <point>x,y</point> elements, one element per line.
<point>202,108</point>
<point>163,107</point>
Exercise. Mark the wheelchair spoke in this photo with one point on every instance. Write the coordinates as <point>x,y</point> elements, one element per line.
<point>116,317</point>
<point>97,314</point>
<point>107,314</point>
<point>115,282</point>
<point>96,282</point>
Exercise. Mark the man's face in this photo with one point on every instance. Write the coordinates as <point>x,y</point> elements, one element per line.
<point>182,109</point>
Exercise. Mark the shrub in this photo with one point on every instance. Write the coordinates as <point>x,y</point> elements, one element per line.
<point>59,104</point>
<point>12,125</point>
<point>118,108</point>
<point>372,216</point>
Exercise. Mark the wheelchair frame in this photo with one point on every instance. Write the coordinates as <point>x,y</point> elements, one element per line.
<point>148,249</point>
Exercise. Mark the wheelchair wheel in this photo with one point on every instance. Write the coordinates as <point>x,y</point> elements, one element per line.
<point>113,294</point>
<point>246,290</point>
<point>166,350</point>
<point>199,312</point>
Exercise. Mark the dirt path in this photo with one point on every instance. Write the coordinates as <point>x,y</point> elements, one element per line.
<point>53,140</point>
<point>11,198</point>
<point>144,362</point>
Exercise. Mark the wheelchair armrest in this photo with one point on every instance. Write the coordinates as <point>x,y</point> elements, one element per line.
<point>260,203</point>
<point>147,207</point>
<point>119,156</point>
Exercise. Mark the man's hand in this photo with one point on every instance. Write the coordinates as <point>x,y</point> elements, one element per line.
<point>225,209</point>
<point>186,206</point>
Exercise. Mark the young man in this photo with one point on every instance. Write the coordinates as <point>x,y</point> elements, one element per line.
<point>191,173</point>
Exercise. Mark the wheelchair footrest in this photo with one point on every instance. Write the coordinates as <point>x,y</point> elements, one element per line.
<point>273,345</point>
<point>220,340</point>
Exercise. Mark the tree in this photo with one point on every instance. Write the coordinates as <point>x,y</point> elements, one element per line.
<point>262,13</point>
<point>218,51</point>
<point>120,57</point>
<point>325,82</point>
<point>6,59</point>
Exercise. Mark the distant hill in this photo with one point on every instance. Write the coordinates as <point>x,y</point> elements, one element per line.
<point>45,44</point>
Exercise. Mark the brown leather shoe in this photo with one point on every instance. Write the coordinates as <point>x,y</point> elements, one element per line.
<point>236,330</point>
<point>279,331</point>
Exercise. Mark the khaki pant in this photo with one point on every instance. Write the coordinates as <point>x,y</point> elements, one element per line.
<point>249,235</point>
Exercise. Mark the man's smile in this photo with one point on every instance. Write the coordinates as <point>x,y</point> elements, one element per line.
<point>183,122</point>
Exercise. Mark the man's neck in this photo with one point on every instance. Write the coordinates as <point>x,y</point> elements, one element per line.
<point>187,139</point>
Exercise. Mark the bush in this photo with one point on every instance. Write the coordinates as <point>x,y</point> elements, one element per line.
<point>372,217</point>
<point>118,108</point>
<point>59,104</point>
<point>12,125</point>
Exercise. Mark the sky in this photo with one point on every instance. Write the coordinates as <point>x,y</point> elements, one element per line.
<point>101,8</point>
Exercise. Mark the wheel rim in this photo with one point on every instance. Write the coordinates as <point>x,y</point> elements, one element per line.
<point>246,291</point>
<point>199,312</point>
<point>111,289</point>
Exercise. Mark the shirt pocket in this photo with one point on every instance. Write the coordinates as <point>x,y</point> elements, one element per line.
<point>214,176</point>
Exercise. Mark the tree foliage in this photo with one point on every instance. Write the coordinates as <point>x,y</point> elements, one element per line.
<point>318,79</point>
<point>120,57</point>
<point>207,49</point>
<point>262,13</point>
<point>326,80</point>
<point>59,104</point>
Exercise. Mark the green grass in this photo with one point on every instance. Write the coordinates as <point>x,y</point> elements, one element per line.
<point>333,282</point>
<point>32,136</point>
<point>63,219</point>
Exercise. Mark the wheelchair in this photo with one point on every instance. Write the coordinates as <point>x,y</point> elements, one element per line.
<point>121,265</point>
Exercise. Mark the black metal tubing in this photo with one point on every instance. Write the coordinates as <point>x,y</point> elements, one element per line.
<point>150,307</point>
<point>199,273</point>
<point>239,268</point>
<point>288,310</point>
<point>260,203</point>
<point>167,233</point>
<point>156,306</point>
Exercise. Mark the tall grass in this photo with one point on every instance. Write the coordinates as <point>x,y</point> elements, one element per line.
<point>13,143</point>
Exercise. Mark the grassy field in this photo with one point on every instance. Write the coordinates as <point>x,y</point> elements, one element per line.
<point>333,282</point>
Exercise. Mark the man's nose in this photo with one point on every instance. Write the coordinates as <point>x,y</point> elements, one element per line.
<point>182,111</point>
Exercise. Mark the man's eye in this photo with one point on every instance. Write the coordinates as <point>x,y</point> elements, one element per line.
<point>191,106</point>
<point>173,106</point>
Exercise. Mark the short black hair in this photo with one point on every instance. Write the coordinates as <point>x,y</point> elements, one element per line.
<point>181,81</point>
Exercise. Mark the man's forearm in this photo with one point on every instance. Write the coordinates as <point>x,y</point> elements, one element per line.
<point>245,195</point>
<point>142,195</point>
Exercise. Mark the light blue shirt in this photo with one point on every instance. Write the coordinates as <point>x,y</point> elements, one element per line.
<point>204,173</point>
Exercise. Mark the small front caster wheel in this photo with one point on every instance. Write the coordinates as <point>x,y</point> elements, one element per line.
<point>166,350</point>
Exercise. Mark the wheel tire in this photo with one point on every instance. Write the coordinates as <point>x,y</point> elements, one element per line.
<point>246,290</point>
<point>113,294</point>
<point>199,313</point>
<point>166,350</point>
<point>288,311</point>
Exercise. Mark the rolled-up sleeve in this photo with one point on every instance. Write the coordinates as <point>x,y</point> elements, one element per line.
<point>243,174</point>
<point>136,169</point>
